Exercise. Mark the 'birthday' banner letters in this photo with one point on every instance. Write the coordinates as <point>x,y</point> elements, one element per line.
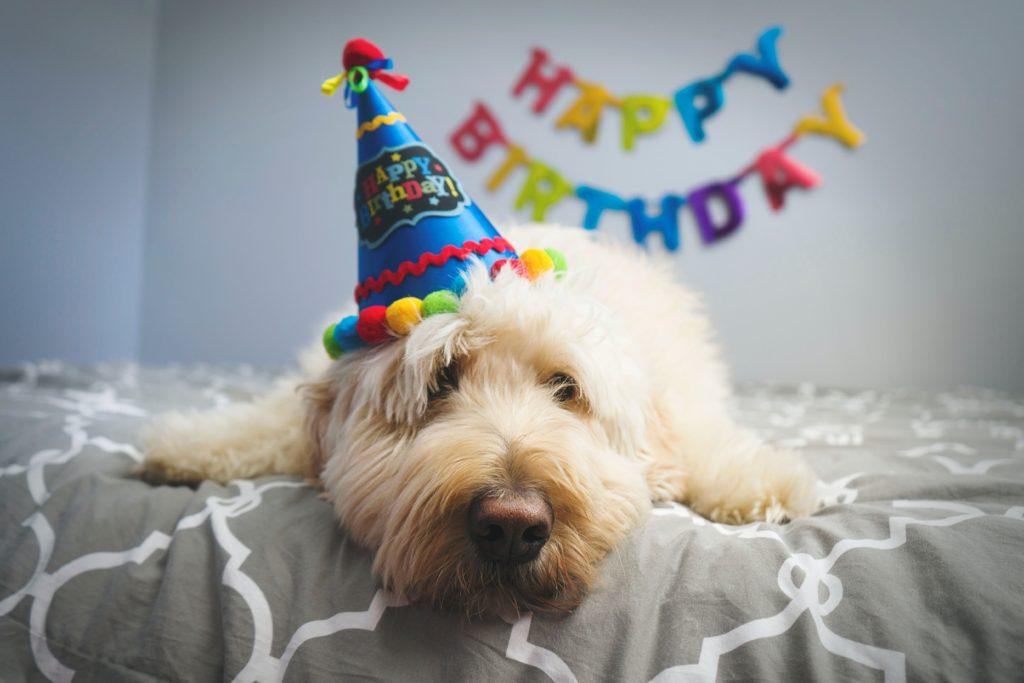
<point>643,114</point>
<point>544,187</point>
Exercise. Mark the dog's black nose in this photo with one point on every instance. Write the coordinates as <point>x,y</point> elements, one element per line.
<point>510,526</point>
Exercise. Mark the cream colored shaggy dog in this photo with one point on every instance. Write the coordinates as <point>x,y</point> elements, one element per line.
<point>494,456</point>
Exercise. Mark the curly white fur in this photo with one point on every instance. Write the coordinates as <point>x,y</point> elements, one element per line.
<point>401,467</point>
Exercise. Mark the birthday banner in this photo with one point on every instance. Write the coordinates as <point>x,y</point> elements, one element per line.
<point>643,114</point>
<point>544,186</point>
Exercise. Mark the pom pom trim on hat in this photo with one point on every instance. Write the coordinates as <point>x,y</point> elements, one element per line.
<point>378,324</point>
<point>372,325</point>
<point>404,314</point>
<point>537,262</point>
<point>441,301</point>
<point>333,350</point>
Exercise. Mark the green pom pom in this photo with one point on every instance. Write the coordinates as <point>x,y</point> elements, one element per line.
<point>560,265</point>
<point>333,350</point>
<point>441,301</point>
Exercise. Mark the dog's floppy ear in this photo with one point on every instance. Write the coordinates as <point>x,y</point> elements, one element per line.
<point>409,374</point>
<point>368,382</point>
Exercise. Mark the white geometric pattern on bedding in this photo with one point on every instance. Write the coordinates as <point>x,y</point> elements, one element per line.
<point>952,434</point>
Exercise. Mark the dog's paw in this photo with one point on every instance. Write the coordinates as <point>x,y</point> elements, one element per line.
<point>158,470</point>
<point>666,482</point>
<point>771,510</point>
<point>775,511</point>
<point>777,495</point>
<point>169,457</point>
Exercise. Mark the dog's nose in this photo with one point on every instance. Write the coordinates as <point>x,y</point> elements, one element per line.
<point>510,527</point>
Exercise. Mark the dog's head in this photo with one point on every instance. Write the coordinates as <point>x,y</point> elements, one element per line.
<point>493,456</point>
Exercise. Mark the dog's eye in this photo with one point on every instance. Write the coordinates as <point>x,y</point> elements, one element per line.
<point>446,381</point>
<point>565,387</point>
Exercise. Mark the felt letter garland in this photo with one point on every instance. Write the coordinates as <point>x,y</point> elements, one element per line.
<point>543,77</point>
<point>835,123</point>
<point>477,133</point>
<point>728,194</point>
<point>643,114</point>
<point>585,112</point>
<point>514,158</point>
<point>666,221</point>
<point>545,187</point>
<point>765,64</point>
<point>598,201</point>
<point>780,173</point>
<point>697,102</point>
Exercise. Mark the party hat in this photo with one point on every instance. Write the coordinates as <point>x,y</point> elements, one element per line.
<point>418,230</point>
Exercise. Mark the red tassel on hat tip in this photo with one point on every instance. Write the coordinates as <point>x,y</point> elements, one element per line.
<point>360,52</point>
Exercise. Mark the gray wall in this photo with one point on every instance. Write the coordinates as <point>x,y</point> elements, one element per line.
<point>903,269</point>
<point>75,95</point>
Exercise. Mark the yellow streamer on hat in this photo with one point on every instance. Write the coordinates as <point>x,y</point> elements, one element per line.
<point>331,84</point>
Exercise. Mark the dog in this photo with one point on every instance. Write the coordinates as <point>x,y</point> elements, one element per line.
<point>494,456</point>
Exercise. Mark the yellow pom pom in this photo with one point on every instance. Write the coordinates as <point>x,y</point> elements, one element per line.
<point>404,314</point>
<point>537,262</point>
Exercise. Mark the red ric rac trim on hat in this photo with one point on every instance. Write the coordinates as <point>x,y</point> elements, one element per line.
<point>420,265</point>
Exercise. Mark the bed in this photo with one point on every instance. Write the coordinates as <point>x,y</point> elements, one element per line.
<point>913,569</point>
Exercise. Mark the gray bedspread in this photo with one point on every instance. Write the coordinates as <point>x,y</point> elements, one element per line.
<point>914,569</point>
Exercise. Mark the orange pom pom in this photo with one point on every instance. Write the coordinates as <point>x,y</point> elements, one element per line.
<point>537,262</point>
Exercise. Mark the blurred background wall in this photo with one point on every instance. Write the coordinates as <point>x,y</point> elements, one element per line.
<point>75,112</point>
<point>905,268</point>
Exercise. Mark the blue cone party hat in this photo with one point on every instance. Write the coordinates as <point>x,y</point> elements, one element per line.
<point>418,230</point>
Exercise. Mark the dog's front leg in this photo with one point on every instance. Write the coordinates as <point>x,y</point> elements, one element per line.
<point>735,478</point>
<point>266,436</point>
<point>667,482</point>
